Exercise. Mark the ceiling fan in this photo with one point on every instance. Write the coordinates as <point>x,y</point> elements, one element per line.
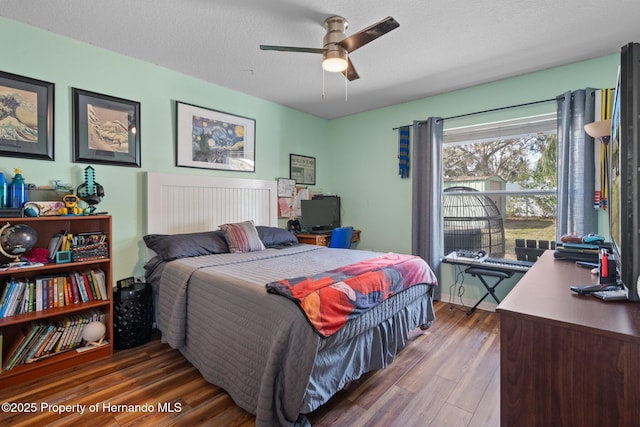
<point>337,46</point>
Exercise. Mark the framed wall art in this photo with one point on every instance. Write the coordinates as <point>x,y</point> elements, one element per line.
<point>26,117</point>
<point>302,169</point>
<point>211,139</point>
<point>106,129</point>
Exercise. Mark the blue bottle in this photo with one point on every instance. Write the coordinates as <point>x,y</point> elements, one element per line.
<point>4,191</point>
<point>17,190</point>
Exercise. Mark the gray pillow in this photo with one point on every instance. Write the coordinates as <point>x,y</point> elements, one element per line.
<point>274,236</point>
<point>174,246</point>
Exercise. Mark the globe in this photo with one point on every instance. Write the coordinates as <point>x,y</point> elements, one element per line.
<point>17,240</point>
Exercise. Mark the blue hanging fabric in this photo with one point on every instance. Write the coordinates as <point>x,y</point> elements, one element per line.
<point>403,151</point>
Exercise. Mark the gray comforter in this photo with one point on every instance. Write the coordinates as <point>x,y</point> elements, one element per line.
<point>259,347</point>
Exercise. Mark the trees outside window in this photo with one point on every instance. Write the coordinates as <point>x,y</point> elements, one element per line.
<point>515,164</point>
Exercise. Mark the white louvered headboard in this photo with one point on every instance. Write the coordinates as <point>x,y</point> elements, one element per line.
<point>188,203</point>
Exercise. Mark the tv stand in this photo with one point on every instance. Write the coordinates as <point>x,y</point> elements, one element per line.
<point>321,231</point>
<point>323,239</point>
<point>567,359</point>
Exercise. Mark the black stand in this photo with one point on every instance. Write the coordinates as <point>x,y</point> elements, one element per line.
<point>133,316</point>
<point>480,273</point>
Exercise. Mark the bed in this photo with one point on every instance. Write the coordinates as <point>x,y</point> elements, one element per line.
<point>228,298</point>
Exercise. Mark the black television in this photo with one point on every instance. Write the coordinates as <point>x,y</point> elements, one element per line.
<point>320,213</point>
<point>624,197</point>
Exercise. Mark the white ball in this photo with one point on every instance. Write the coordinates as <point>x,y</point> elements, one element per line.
<point>93,331</point>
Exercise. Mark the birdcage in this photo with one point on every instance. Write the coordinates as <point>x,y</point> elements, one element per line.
<point>472,222</point>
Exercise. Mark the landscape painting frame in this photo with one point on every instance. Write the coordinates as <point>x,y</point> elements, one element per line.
<point>26,117</point>
<point>106,129</point>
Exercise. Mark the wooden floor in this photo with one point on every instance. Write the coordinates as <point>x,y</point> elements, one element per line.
<point>446,376</point>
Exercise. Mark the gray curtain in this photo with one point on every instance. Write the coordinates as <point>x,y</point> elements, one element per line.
<point>575,164</point>
<point>426,221</point>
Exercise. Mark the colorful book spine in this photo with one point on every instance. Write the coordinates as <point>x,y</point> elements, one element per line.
<point>75,293</point>
<point>60,289</point>
<point>81,289</point>
<point>32,295</point>
<point>38,296</point>
<point>89,279</point>
<point>7,302</point>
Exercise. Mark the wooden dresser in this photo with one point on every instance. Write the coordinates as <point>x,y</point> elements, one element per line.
<point>323,239</point>
<point>565,359</point>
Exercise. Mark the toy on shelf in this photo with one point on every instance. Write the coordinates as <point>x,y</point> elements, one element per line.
<point>70,206</point>
<point>90,191</point>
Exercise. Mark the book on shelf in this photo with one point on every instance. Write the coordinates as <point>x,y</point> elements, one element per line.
<point>69,242</point>
<point>75,292</point>
<point>21,345</point>
<point>54,245</point>
<point>30,297</point>
<point>9,290</point>
<point>40,339</point>
<point>23,306</point>
<point>3,296</point>
<point>36,350</point>
<point>77,277</point>
<point>99,279</point>
<point>48,350</point>
<point>60,290</point>
<point>89,285</point>
<point>51,285</point>
<point>67,324</point>
<point>13,300</point>
<point>50,291</point>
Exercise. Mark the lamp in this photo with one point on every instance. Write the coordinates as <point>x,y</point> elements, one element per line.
<point>93,333</point>
<point>335,60</point>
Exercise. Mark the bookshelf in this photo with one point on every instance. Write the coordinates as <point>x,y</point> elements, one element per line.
<point>13,327</point>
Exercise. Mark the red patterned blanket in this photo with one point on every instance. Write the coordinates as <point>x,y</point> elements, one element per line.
<point>331,298</point>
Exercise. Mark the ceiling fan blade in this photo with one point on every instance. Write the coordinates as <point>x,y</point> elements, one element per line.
<point>350,73</point>
<point>291,49</point>
<point>369,34</point>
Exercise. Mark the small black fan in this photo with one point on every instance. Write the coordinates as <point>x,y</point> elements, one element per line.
<point>337,46</point>
<point>90,191</point>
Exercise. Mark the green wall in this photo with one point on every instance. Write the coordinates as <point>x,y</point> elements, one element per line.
<point>356,155</point>
<point>67,63</point>
<point>364,149</point>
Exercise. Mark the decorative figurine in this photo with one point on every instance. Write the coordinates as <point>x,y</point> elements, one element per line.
<point>70,205</point>
<point>90,191</point>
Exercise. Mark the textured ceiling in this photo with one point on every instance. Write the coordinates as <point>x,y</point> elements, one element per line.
<point>439,46</point>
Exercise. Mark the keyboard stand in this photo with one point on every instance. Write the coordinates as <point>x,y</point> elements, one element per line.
<point>480,273</point>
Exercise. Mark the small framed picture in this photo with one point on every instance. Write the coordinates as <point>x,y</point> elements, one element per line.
<point>26,117</point>
<point>106,129</point>
<point>211,139</point>
<point>302,169</point>
<point>286,187</point>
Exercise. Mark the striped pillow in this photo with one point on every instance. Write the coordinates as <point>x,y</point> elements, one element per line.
<point>242,237</point>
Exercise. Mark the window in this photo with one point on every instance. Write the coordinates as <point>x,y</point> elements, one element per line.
<point>512,163</point>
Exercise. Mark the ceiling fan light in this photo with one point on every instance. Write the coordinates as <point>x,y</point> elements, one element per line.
<point>334,60</point>
<point>334,65</point>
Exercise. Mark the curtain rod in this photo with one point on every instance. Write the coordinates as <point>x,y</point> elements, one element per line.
<point>492,110</point>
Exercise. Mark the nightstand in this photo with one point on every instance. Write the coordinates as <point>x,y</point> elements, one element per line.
<point>133,316</point>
